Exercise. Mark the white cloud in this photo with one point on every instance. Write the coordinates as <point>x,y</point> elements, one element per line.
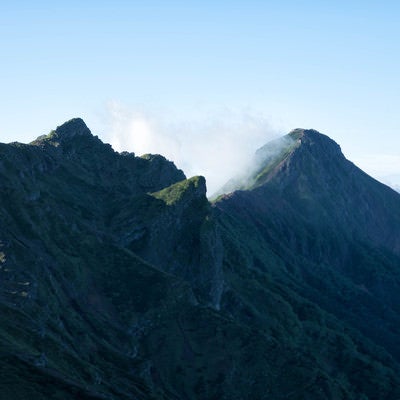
<point>217,145</point>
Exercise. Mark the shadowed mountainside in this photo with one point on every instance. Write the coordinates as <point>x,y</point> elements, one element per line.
<point>119,280</point>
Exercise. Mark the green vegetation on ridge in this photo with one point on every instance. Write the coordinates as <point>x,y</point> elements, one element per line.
<point>174,193</point>
<point>119,280</point>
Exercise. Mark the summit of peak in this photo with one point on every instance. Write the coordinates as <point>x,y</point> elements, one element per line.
<point>288,154</point>
<point>311,135</point>
<point>73,127</point>
<point>302,131</point>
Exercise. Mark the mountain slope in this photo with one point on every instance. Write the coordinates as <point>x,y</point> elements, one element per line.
<point>119,280</point>
<point>335,229</point>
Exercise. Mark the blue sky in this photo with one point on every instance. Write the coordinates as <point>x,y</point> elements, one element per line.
<point>206,77</point>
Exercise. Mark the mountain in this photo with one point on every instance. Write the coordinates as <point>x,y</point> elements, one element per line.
<point>120,280</point>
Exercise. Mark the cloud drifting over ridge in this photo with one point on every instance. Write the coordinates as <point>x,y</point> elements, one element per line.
<point>217,145</point>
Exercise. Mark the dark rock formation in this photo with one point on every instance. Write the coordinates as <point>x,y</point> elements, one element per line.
<point>119,280</point>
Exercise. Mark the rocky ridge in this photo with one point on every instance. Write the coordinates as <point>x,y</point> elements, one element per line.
<point>120,280</point>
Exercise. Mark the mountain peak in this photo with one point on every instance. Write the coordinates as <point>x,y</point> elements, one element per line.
<point>297,133</point>
<point>291,152</point>
<point>73,127</point>
<point>312,137</point>
<point>293,140</point>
